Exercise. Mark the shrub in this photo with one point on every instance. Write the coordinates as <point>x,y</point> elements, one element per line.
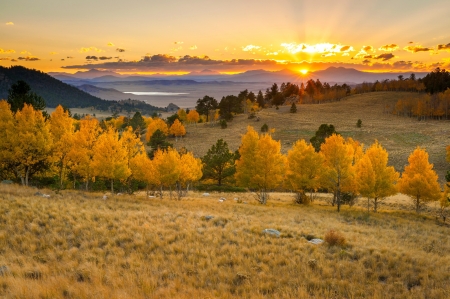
<point>359,123</point>
<point>264,128</point>
<point>335,238</point>
<point>293,108</point>
<point>223,124</point>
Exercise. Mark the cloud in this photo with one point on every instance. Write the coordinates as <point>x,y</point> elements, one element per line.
<point>345,48</point>
<point>367,49</point>
<point>85,50</point>
<point>194,47</point>
<point>110,44</point>
<point>417,48</point>
<point>388,48</point>
<point>91,58</point>
<point>9,23</point>
<point>13,60</point>
<point>69,57</point>
<point>366,61</point>
<point>440,47</point>
<point>25,52</point>
<point>104,58</point>
<point>250,48</point>
<point>28,58</point>
<point>4,58</point>
<point>62,59</point>
<point>120,50</point>
<point>7,51</point>
<point>53,53</point>
<point>385,56</point>
<point>323,48</point>
<point>364,52</point>
<point>178,43</point>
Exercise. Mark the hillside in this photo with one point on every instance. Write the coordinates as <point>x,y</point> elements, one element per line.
<point>77,245</point>
<point>399,135</point>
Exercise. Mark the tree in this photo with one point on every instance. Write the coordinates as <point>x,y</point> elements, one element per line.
<point>7,135</point>
<point>20,94</point>
<point>419,180</point>
<point>177,129</point>
<point>182,115</point>
<point>32,143</point>
<point>304,169</point>
<point>190,171</point>
<point>193,116</point>
<point>261,164</point>
<point>166,168</point>
<point>359,123</point>
<point>137,122</point>
<point>228,106</point>
<point>206,105</point>
<point>110,159</point>
<point>338,159</point>
<point>156,124</point>
<point>375,179</point>
<point>293,108</point>
<point>62,130</point>
<point>322,133</point>
<point>82,152</point>
<point>158,142</point>
<point>218,163</point>
<point>134,147</point>
<point>260,99</point>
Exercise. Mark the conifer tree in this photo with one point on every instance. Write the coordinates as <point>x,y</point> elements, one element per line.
<point>156,124</point>
<point>218,163</point>
<point>419,180</point>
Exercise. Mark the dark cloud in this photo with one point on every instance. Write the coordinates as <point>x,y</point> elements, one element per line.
<point>369,56</point>
<point>28,58</point>
<point>69,57</point>
<point>62,59</point>
<point>385,56</point>
<point>91,58</point>
<point>367,48</point>
<point>366,61</point>
<point>389,48</point>
<point>120,50</point>
<point>4,58</point>
<point>104,58</point>
<point>345,48</point>
<point>418,48</point>
<point>444,47</point>
<point>403,64</point>
<point>13,60</point>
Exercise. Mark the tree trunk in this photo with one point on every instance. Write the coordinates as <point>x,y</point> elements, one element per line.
<point>418,204</point>
<point>27,173</point>
<point>160,191</point>
<point>112,187</point>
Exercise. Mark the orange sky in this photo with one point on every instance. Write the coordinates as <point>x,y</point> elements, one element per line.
<point>230,36</point>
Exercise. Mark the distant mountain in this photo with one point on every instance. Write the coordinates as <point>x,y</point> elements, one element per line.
<point>56,92</point>
<point>331,75</point>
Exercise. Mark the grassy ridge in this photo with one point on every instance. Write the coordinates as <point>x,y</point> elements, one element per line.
<point>76,245</point>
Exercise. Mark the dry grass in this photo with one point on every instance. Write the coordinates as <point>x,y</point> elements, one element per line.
<point>399,135</point>
<point>76,245</point>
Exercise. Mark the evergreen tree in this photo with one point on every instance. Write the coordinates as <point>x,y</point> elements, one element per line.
<point>293,108</point>
<point>322,133</point>
<point>20,94</point>
<point>218,163</point>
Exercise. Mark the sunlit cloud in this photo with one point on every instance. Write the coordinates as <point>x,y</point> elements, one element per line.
<point>444,47</point>
<point>178,43</point>
<point>250,48</point>
<point>365,50</point>
<point>7,51</point>
<point>272,53</point>
<point>110,44</point>
<point>120,50</point>
<point>388,48</point>
<point>385,56</point>
<point>28,58</point>
<point>5,58</point>
<point>417,48</point>
<point>25,52</point>
<point>94,49</point>
<point>194,47</point>
<point>53,53</point>
<point>323,48</point>
<point>9,23</point>
<point>69,57</point>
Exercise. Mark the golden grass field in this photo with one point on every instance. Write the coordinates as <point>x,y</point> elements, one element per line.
<point>77,245</point>
<point>399,135</point>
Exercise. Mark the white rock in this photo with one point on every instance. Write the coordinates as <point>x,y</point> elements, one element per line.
<point>205,194</point>
<point>316,241</point>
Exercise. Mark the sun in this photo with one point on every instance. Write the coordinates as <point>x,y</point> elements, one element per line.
<point>304,72</point>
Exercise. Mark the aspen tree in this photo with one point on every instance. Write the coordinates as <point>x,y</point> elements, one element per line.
<point>156,124</point>
<point>177,129</point>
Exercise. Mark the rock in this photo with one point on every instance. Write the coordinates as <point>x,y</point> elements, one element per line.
<point>235,199</point>
<point>316,241</point>
<point>272,232</point>
<point>119,194</point>
<point>151,196</point>
<point>38,194</point>
<point>4,270</point>
<point>208,217</point>
<point>205,194</point>
<point>46,195</point>
<point>7,182</point>
<point>105,197</point>
<point>220,200</point>
<point>223,198</point>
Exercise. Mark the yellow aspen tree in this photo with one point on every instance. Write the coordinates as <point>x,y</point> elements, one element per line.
<point>365,179</point>
<point>166,168</point>
<point>156,124</point>
<point>261,165</point>
<point>193,116</point>
<point>62,130</point>
<point>339,162</point>
<point>448,153</point>
<point>82,151</point>
<point>7,134</point>
<point>182,115</point>
<point>133,146</point>
<point>419,180</point>
<point>32,143</point>
<point>304,169</point>
<point>385,177</point>
<point>190,171</point>
<point>110,159</point>
<point>177,129</point>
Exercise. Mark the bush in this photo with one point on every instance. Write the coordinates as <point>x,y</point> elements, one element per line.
<point>223,124</point>
<point>293,108</point>
<point>359,123</point>
<point>264,128</point>
<point>335,238</point>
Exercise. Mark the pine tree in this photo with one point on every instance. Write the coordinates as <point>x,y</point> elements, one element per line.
<point>218,163</point>
<point>293,108</point>
<point>419,180</point>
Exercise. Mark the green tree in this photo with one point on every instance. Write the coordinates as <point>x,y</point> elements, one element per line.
<point>206,105</point>
<point>218,163</point>
<point>293,108</point>
<point>20,94</point>
<point>137,122</point>
<point>230,105</point>
<point>322,133</point>
<point>158,142</point>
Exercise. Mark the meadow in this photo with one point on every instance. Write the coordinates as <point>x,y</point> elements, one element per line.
<point>77,245</point>
<point>399,135</point>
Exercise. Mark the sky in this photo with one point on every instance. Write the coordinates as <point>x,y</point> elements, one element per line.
<point>232,36</point>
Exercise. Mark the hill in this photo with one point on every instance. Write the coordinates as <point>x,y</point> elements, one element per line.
<point>77,245</point>
<point>399,135</point>
<point>56,92</point>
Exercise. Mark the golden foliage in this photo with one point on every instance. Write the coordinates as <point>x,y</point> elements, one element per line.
<point>177,129</point>
<point>156,124</point>
<point>193,116</point>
